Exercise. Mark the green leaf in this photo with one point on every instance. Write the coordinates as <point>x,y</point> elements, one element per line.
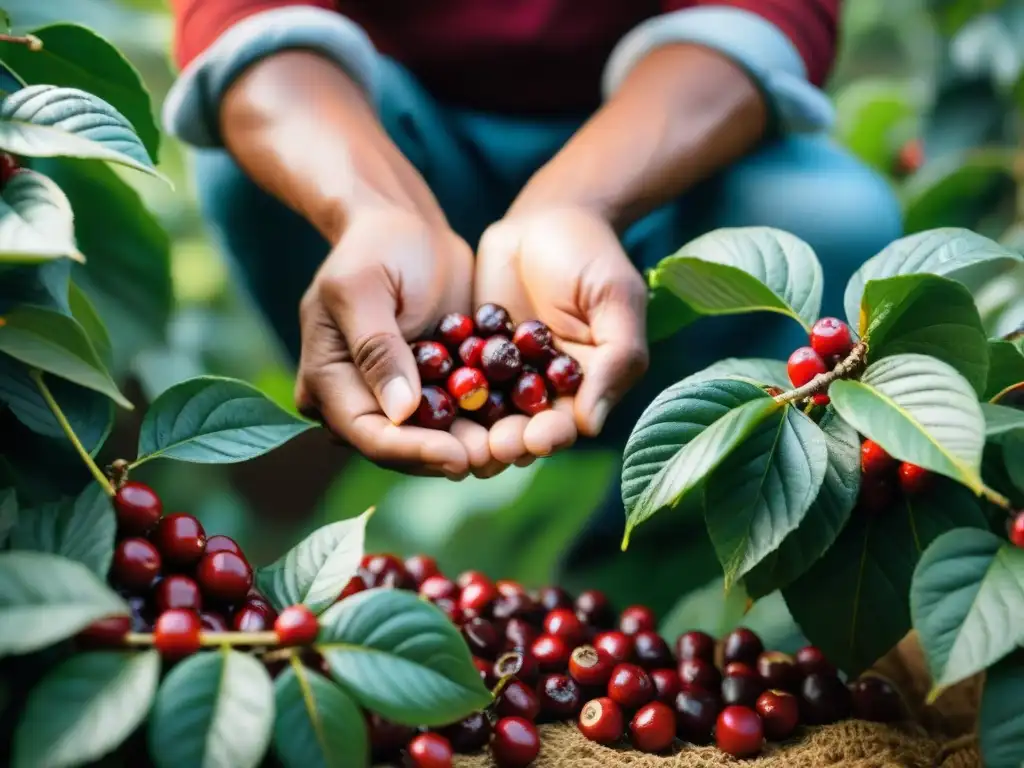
<point>927,315</point>
<point>756,370</point>
<point>81,529</point>
<point>214,710</point>
<point>1013,455</point>
<point>745,269</point>
<point>1006,369</point>
<point>46,598</point>
<point>109,75</point>
<point>666,314</point>
<point>1001,723</point>
<point>967,602</point>
<point>317,724</point>
<point>400,656</point>
<point>958,254</point>
<point>958,190</point>
<point>8,514</point>
<point>85,313</point>
<point>826,517</point>
<point>85,708</point>
<point>872,114</point>
<point>46,121</point>
<point>315,570</point>
<point>36,222</point>
<point>920,410</point>
<point>761,492</point>
<point>214,420</point>
<point>44,285</point>
<point>55,343</point>
<point>1001,420</point>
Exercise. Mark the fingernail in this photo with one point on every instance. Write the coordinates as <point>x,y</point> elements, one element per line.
<point>600,414</point>
<point>397,400</point>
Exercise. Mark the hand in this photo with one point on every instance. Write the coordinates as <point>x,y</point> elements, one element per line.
<point>566,268</point>
<point>389,279</point>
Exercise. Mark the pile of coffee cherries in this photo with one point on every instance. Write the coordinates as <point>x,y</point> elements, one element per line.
<point>551,657</point>
<point>830,343</point>
<point>488,367</point>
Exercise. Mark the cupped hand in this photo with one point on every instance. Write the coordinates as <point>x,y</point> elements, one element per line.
<point>566,268</point>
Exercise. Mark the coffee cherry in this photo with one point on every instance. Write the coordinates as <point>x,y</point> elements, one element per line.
<point>516,743</point>
<point>593,608</point>
<point>485,669</point>
<point>177,592</point>
<point>213,622</point>
<point>438,587</point>
<point>876,495</point>
<point>601,721</point>
<point>468,387</point>
<point>695,645</point>
<point>519,633</point>
<point>136,563</point>
<point>618,645</point>
<point>742,645</point>
<point>563,623</point>
<point>530,394</point>
<point>493,320</point>
<point>297,625</point>
<point>138,508</point>
<point>471,351</point>
<point>176,633</point>
<point>653,727</point>
<point>432,360</point>
<point>354,586</point>
<point>651,650</point>
<point>564,374</point>
<point>630,686</point>
<point>590,667</point>
<point>476,598</point>
<point>699,674</point>
<point>224,576</point>
<point>180,539</point>
<point>696,713</point>
<point>803,365</point>
<point>824,700</point>
<point>1016,532</point>
<point>466,578</point>
<point>551,598</point>
<point>436,409</point>
<point>494,410</point>
<point>637,618</point>
<point>517,699</point>
<point>914,480</point>
<point>520,664</point>
<point>874,461</point>
<point>778,670</point>
<point>430,750</point>
<point>420,568</point>
<point>8,167</point>
<point>739,732</point>
<point>534,341</point>
<point>509,588</point>
<point>470,734</point>
<point>666,684</point>
<point>909,159</point>
<point>551,652</point>
<point>831,338</point>
<point>559,695</point>
<point>500,359</point>
<point>387,739</point>
<point>454,329</point>
<point>253,616</point>
<point>741,690</point>
<point>516,606</point>
<point>108,632</point>
<point>221,543</point>
<point>739,669</point>
<point>821,399</point>
<point>810,660</point>
<point>780,714</point>
<point>482,637</point>
<point>874,698</point>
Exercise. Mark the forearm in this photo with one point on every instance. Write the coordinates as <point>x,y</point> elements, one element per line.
<point>306,133</point>
<point>682,113</point>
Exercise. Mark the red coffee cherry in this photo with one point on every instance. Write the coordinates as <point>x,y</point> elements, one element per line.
<point>454,329</point>
<point>653,727</point>
<point>696,713</point>
<point>742,645</point>
<point>637,618</point>
<point>213,622</point>
<point>601,721</point>
<point>909,159</point>
<point>494,410</point>
<point>874,461</point>
<point>778,670</point>
<point>9,166</point>
<point>552,653</point>
<point>176,633</point>
<point>253,616</point>
<point>482,637</point>
<point>520,664</point>
<point>430,750</point>
<point>108,632</point>
<point>436,409</point>
<point>534,341</point>
<point>517,699</point>
<point>821,399</point>
<point>695,645</point>
<point>224,576</point>
<point>530,394</point>
<point>468,577</point>
<point>651,650</point>
<point>592,607</point>
<point>469,735</point>
<point>630,686</point>
<point>699,674</point>
<point>590,667</point>
<point>500,359</point>
<point>354,586</point>
<point>551,598</point>
<point>438,587</point>
<point>178,592</point>
<point>138,508</point>
<point>471,351</point>
<point>136,563</point>
<point>739,669</point>
<point>385,570</point>
<point>509,588</point>
<point>780,714</point>
<point>476,598</point>
<point>739,732</point>
<point>914,480</point>
<point>876,699</point>
<point>564,374</point>
<point>419,568</point>
<point>180,539</point>
<point>432,360</point>
<point>297,625</point>
<point>1016,532</point>
<point>220,543</point>
<point>468,386</point>
<point>803,365</point>
<point>563,623</point>
<point>515,744</point>
<point>515,606</point>
<point>831,338</point>
<point>618,645</point>
<point>666,684</point>
<point>810,660</point>
<point>559,696</point>
<point>493,320</point>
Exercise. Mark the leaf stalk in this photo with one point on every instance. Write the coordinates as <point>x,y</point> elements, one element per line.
<point>209,639</point>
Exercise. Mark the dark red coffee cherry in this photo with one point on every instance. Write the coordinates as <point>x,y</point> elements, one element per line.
<point>742,645</point>
<point>695,645</point>
<point>696,713</point>
<point>297,625</point>
<point>552,653</point>
<point>108,632</point>
<point>875,462</point>
<point>593,608</point>
<point>468,577</point>
<point>534,341</point>
<point>559,696</point>
<point>519,633</point>
<point>494,410</point>
<point>220,543</point>
<point>616,644</point>
<point>666,684</point>
<point>253,617</point>
<point>430,750</point>
<point>914,480</point>
<point>803,365</point>
<point>565,375</point>
<point>135,565</point>
<point>477,597</point>
<point>420,568</point>
<point>180,539</point>
<point>516,743</point>
<point>213,622</point>
<point>630,686</point>
<point>563,623</point>
<point>436,409</point>
<point>653,727</point>
<point>810,660</point>
<point>224,576</point>
<point>778,670</point>
<point>438,587</point>
<point>176,633</point>
<point>590,667</point>
<point>471,351</point>
<point>517,699</point>
<point>551,598</point>
<point>875,698</point>
<point>520,664</point>
<point>780,714</point>
<point>831,338</point>
<point>824,700</point>
<point>138,508</point>
<point>433,361</point>
<point>482,637</point>
<point>741,690</point>
<point>176,591</point>
<point>454,329</point>
<point>9,166</point>
<point>637,618</point>
<point>515,606</point>
<point>470,734</point>
<point>387,739</point>
<point>699,674</point>
<point>601,721</point>
<point>651,650</point>
<point>468,386</point>
<point>354,586</point>
<point>385,570</point>
<point>530,394</point>
<point>739,732</point>
<point>493,320</point>
<point>739,669</point>
<point>500,359</point>
<point>1016,530</point>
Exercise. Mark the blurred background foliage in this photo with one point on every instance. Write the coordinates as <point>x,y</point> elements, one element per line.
<point>936,84</point>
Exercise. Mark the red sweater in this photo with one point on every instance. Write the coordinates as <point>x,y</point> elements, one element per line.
<point>529,56</point>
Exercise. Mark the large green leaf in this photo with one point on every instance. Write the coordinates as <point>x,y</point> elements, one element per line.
<point>109,75</point>
<point>825,519</point>
<point>316,569</point>
<point>81,529</point>
<point>36,221</point>
<point>214,420</point>
<point>1001,724</point>
<point>44,285</point>
<point>666,314</point>
<point>757,370</point>
<point>920,410</point>
<point>47,121</point>
<point>958,254</point>
<point>85,313</point>
<point>46,598</point>
<point>761,492</point>
<point>214,710</point>
<point>400,656</point>
<point>927,315</point>
<point>967,602</point>
<point>1006,368</point>
<point>84,708</point>
<point>55,343</point>
<point>1002,420</point>
<point>745,269</point>
<point>317,724</point>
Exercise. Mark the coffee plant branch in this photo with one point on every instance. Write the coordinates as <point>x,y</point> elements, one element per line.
<point>853,363</point>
